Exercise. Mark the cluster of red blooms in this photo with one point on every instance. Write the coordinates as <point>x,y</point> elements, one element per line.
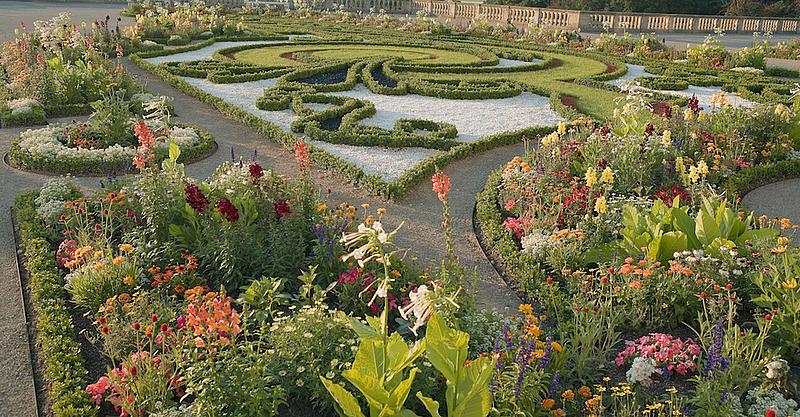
<point>66,253</point>
<point>256,172</point>
<point>196,199</point>
<point>281,208</point>
<point>516,226</point>
<point>227,210</point>
<point>667,194</point>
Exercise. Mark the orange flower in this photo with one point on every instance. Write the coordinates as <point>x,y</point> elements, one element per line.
<point>584,391</point>
<point>548,403</point>
<point>568,395</point>
<point>636,284</point>
<point>441,184</point>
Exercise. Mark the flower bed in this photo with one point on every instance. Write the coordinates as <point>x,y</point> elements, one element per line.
<point>47,150</point>
<point>623,228</point>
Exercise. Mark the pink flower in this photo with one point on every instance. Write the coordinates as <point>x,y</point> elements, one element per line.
<point>441,184</point>
<point>510,204</point>
<point>98,389</point>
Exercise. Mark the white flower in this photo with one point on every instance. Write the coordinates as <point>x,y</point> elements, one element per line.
<point>641,371</point>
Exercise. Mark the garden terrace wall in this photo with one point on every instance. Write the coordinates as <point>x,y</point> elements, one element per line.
<point>591,21</point>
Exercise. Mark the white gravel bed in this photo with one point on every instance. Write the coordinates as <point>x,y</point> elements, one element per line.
<point>473,118</point>
<point>703,94</point>
<point>502,62</point>
<point>244,96</point>
<point>387,163</point>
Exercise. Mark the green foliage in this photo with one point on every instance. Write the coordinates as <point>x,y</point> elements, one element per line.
<point>467,385</point>
<point>664,230</point>
<point>60,353</point>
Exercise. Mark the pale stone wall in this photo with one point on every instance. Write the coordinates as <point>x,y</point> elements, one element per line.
<point>588,21</point>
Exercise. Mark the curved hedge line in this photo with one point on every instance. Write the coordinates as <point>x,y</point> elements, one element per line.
<point>64,368</point>
<point>498,242</point>
<point>20,159</point>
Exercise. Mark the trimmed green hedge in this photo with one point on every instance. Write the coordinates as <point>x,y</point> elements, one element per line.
<point>514,267</point>
<point>37,116</point>
<point>64,368</point>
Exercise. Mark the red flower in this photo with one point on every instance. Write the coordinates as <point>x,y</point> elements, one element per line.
<point>196,199</point>
<point>282,208</point>
<point>441,184</point>
<point>65,252</point>
<point>770,413</point>
<point>227,210</point>
<point>256,171</point>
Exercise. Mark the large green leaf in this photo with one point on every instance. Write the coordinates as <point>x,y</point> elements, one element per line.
<point>369,358</point>
<point>362,330</point>
<point>430,404</point>
<point>706,227</point>
<point>369,386</point>
<point>345,403</point>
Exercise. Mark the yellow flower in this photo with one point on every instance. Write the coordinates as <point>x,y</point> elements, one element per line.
<point>98,254</point>
<point>694,175</point>
<point>584,391</point>
<point>128,280</point>
<point>322,207</point>
<point>600,205</point>
<point>562,129</point>
<point>701,116</point>
<point>118,260</point>
<point>607,176</point>
<point>688,114</point>
<point>666,139</point>
<point>790,284</point>
<point>591,177</point>
<point>365,206</point>
<point>126,247</point>
<point>381,210</point>
<point>702,168</point>
<point>98,266</point>
<point>525,309</point>
<point>556,346</point>
<point>568,395</point>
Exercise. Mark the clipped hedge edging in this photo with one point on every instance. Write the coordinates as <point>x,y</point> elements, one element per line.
<point>64,367</point>
<point>498,243</point>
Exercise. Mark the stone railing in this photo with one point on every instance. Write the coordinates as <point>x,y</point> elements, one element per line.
<point>588,21</point>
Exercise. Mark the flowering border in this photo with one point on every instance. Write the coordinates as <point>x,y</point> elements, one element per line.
<point>20,159</point>
<point>64,366</point>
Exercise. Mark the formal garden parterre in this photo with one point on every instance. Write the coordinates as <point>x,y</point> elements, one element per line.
<point>648,290</point>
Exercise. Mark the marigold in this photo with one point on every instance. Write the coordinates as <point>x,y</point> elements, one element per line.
<point>584,391</point>
<point>568,395</point>
<point>548,403</point>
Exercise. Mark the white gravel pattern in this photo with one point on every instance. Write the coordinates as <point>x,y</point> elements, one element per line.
<point>244,96</point>
<point>703,94</point>
<point>473,118</point>
<point>208,52</point>
<point>387,163</point>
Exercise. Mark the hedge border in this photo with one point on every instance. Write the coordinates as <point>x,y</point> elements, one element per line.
<point>64,368</point>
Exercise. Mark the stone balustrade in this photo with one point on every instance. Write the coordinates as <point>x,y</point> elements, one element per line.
<point>588,21</point>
